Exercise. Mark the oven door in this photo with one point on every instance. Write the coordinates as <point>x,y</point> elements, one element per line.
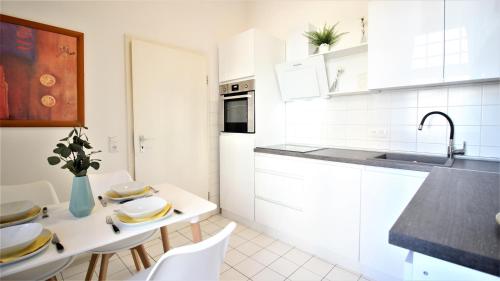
<point>239,113</point>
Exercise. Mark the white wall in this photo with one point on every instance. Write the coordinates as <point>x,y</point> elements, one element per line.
<point>194,25</point>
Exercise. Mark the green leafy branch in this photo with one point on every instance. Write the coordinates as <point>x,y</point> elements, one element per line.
<point>71,151</point>
<point>326,35</point>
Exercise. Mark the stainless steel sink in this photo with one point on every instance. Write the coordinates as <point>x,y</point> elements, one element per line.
<point>417,159</point>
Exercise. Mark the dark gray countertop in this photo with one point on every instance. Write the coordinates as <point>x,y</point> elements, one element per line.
<point>452,215</point>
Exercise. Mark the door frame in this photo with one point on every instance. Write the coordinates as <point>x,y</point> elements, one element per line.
<point>129,93</point>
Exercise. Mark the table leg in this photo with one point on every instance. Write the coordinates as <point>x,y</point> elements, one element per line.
<point>135,256</point>
<point>90,270</point>
<point>143,255</point>
<point>104,266</point>
<point>196,230</point>
<point>164,238</point>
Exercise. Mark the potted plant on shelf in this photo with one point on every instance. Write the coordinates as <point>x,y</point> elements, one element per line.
<point>72,151</point>
<point>324,38</point>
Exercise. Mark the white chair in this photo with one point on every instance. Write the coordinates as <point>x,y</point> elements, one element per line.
<point>200,261</point>
<point>40,193</point>
<point>100,183</point>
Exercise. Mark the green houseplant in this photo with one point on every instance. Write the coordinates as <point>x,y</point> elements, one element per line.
<point>324,38</point>
<point>71,151</point>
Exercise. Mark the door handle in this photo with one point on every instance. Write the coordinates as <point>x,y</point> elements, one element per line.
<point>142,139</point>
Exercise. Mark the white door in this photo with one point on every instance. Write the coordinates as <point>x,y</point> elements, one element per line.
<point>170,116</point>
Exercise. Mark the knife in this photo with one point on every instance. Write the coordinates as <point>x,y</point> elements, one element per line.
<point>103,202</point>
<point>55,241</point>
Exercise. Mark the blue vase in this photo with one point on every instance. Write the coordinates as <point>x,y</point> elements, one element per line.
<point>82,200</point>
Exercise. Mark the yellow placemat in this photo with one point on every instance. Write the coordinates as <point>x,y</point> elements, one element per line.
<point>114,195</point>
<point>126,219</point>
<point>40,241</point>
<point>31,213</point>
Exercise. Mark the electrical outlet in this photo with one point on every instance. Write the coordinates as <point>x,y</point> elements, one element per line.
<point>379,133</point>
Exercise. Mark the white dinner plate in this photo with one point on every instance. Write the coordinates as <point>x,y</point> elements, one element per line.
<point>18,237</point>
<point>119,223</point>
<point>128,197</point>
<point>13,210</point>
<point>25,220</point>
<point>128,188</point>
<point>143,207</point>
<point>30,254</point>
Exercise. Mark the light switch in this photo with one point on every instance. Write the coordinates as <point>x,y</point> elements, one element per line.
<point>112,144</point>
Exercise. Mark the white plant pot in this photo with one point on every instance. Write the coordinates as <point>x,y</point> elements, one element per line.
<point>323,48</point>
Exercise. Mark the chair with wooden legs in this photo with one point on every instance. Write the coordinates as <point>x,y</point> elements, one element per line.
<point>200,261</point>
<point>99,184</point>
<point>41,193</point>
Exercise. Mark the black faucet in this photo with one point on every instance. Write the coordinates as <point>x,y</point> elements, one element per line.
<point>451,147</point>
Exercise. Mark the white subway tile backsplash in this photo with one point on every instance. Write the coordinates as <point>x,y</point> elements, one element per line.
<point>389,120</point>
<point>491,115</point>
<point>491,94</point>
<point>403,134</point>
<point>490,135</point>
<point>403,146</point>
<point>433,134</point>
<point>469,134</point>
<point>433,119</point>
<point>404,99</point>
<point>432,148</point>
<point>433,97</point>
<point>465,115</point>
<point>404,116</point>
<point>490,151</point>
<point>464,95</point>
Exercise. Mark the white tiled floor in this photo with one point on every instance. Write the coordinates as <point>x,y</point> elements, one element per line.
<point>251,256</point>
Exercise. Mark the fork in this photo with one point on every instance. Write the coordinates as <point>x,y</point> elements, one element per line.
<point>154,189</point>
<point>109,220</point>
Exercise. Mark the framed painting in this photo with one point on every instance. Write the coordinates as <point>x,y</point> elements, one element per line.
<point>41,75</point>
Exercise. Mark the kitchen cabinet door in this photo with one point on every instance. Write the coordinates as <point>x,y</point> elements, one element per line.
<point>384,195</point>
<point>405,43</point>
<point>472,40</point>
<point>333,209</point>
<point>237,174</point>
<point>236,57</point>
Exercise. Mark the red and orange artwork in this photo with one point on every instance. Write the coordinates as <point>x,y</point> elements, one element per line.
<point>41,74</point>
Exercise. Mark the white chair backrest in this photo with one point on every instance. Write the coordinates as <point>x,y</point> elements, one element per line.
<point>40,193</point>
<point>200,261</point>
<point>100,183</point>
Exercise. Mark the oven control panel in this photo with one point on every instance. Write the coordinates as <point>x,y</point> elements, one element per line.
<point>236,87</point>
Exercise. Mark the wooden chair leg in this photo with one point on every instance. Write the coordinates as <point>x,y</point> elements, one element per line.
<point>164,238</point>
<point>104,266</point>
<point>53,278</point>
<point>143,255</point>
<point>90,270</point>
<point>135,256</point>
<point>196,230</point>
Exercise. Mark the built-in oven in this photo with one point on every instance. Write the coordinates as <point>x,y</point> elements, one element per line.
<point>238,106</point>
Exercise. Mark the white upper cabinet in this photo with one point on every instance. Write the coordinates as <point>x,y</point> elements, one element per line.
<point>237,57</point>
<point>405,43</point>
<point>472,40</point>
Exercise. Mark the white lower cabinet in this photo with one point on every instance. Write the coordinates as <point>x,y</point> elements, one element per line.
<point>316,202</point>
<point>423,267</point>
<point>384,195</point>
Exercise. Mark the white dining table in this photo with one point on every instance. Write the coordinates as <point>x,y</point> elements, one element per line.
<point>79,235</point>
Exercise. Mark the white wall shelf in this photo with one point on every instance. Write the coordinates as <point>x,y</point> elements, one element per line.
<point>356,49</point>
<point>349,93</point>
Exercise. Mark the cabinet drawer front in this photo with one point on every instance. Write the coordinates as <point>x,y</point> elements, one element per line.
<point>281,188</point>
<point>281,218</point>
<point>281,164</point>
